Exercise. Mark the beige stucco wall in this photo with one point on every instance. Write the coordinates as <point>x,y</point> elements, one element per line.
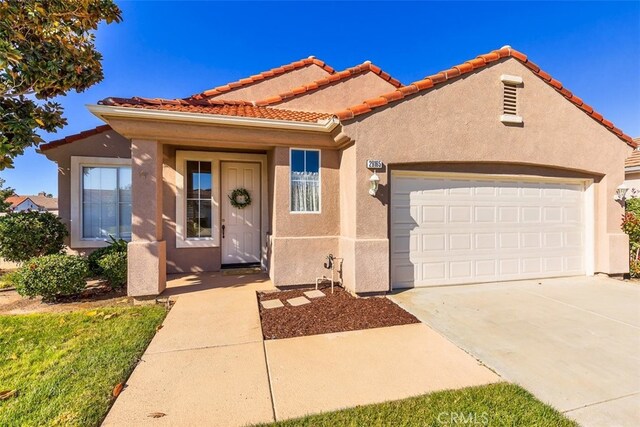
<point>632,181</point>
<point>275,85</point>
<point>339,95</point>
<point>107,144</point>
<point>301,241</point>
<point>459,122</point>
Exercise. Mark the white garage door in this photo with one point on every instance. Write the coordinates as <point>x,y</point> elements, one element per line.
<point>459,229</point>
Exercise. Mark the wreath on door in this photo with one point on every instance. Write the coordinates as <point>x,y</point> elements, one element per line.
<point>240,198</point>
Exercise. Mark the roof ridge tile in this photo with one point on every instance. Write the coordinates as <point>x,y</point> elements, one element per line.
<point>474,64</point>
<point>347,73</point>
<point>262,76</point>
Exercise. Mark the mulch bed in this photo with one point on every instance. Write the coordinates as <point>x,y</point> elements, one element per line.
<point>337,312</point>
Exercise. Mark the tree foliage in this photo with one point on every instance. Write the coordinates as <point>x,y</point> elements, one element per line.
<point>4,193</point>
<point>46,49</point>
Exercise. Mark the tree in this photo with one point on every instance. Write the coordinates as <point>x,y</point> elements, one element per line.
<point>46,49</point>
<point>4,194</point>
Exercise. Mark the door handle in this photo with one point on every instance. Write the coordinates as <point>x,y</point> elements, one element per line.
<point>223,227</point>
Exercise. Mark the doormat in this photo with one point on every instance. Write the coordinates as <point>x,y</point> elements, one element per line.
<point>241,271</point>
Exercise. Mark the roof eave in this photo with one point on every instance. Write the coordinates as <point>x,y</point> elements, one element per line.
<point>104,112</point>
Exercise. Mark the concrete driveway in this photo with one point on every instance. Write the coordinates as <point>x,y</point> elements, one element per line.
<point>573,342</point>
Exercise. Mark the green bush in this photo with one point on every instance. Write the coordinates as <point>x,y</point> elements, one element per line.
<point>114,268</point>
<point>115,246</point>
<point>7,280</point>
<point>28,234</point>
<point>52,276</point>
<point>633,205</point>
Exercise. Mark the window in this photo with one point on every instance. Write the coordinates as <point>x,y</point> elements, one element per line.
<point>106,202</point>
<point>199,218</point>
<point>305,181</point>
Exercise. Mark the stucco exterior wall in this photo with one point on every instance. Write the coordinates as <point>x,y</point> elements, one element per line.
<point>632,180</point>
<point>459,122</point>
<point>107,144</point>
<point>275,85</point>
<point>301,241</point>
<point>339,95</point>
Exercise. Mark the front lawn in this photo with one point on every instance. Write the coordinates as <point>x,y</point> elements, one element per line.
<point>64,367</point>
<point>499,404</point>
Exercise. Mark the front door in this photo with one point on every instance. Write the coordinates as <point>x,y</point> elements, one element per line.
<point>240,226</point>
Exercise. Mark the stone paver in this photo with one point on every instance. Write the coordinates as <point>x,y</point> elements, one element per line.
<point>272,303</point>
<point>316,293</point>
<point>327,372</point>
<point>298,301</point>
<point>573,342</point>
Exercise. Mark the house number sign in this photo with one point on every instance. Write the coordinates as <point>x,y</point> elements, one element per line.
<point>374,164</point>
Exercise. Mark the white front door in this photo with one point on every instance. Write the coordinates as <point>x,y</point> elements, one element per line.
<point>240,227</point>
<point>474,228</point>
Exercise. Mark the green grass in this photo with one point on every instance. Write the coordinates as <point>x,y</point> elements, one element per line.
<point>499,404</point>
<point>65,366</point>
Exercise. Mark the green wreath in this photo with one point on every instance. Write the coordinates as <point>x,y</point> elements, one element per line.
<point>240,198</point>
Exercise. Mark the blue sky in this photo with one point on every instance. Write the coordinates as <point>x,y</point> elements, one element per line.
<point>174,49</point>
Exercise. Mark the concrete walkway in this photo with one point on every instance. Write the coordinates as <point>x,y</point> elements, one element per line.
<point>209,366</point>
<point>573,342</point>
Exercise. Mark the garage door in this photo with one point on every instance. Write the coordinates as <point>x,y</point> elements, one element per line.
<point>458,229</point>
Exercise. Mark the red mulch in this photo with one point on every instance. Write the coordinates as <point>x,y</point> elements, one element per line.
<point>337,312</point>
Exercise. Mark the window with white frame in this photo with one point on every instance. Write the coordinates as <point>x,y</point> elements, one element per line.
<point>305,180</point>
<point>198,215</point>
<point>106,202</point>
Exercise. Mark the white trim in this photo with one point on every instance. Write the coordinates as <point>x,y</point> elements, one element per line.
<point>491,177</point>
<point>104,111</point>
<point>77,163</point>
<point>510,118</point>
<point>630,169</point>
<point>512,80</point>
<point>319,182</point>
<point>216,158</point>
<point>590,228</point>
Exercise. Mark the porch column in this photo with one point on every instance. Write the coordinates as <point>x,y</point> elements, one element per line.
<point>147,250</point>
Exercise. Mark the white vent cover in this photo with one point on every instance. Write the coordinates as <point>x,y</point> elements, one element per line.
<point>510,99</point>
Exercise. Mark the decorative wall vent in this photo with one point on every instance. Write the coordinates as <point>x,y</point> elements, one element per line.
<point>510,99</point>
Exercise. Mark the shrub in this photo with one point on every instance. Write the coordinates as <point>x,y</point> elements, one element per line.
<point>115,246</point>
<point>114,268</point>
<point>7,280</point>
<point>631,226</point>
<point>28,234</point>
<point>52,276</point>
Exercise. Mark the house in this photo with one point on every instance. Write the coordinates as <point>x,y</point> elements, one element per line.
<point>632,172</point>
<point>488,171</point>
<point>40,202</point>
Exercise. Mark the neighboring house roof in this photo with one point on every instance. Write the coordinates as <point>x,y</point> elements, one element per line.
<point>75,137</point>
<point>217,107</point>
<point>467,67</point>
<point>633,161</point>
<point>339,76</point>
<point>263,76</point>
<point>48,203</point>
<point>15,200</point>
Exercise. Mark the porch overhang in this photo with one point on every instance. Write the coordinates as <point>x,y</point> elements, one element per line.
<point>198,129</point>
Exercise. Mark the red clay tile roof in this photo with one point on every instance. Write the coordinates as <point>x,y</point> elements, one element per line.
<point>342,75</point>
<point>634,159</point>
<point>75,137</point>
<point>217,107</point>
<point>263,76</point>
<point>15,200</point>
<point>472,65</point>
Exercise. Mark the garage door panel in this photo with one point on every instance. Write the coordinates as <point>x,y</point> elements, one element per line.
<point>478,230</point>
